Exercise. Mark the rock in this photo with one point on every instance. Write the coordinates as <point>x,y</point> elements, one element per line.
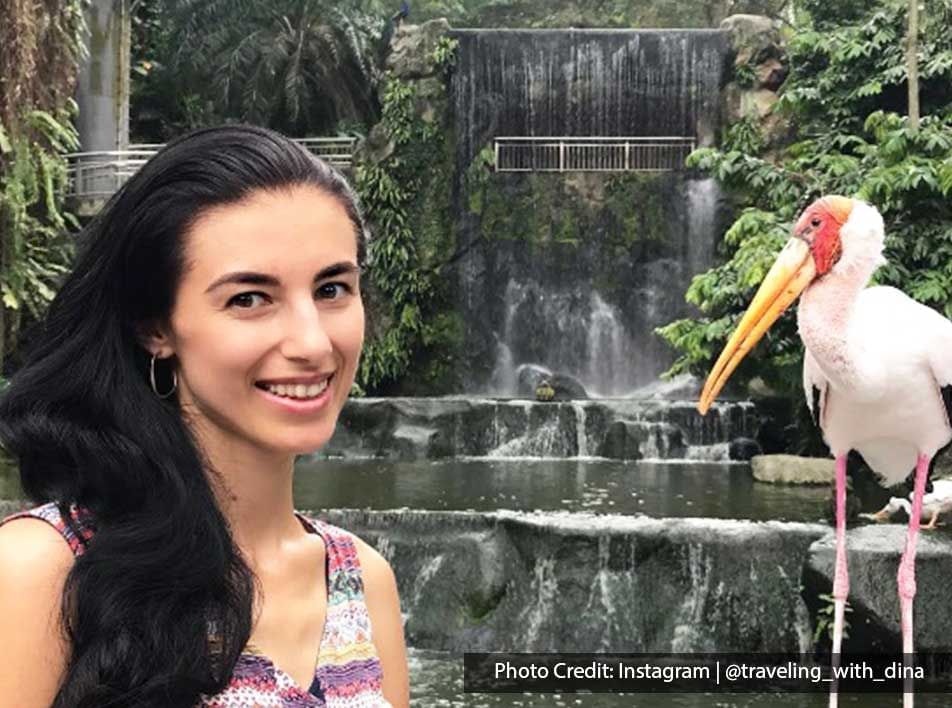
<point>514,581</point>
<point>622,441</point>
<point>758,388</point>
<point>430,99</point>
<point>754,38</point>
<point>528,377</point>
<point>587,186</point>
<point>942,466</point>
<point>743,449</point>
<point>377,147</point>
<point>740,104</point>
<point>770,74</point>
<point>791,469</point>
<point>777,129</point>
<point>411,49</point>
<point>437,428</point>
<point>567,388</point>
<point>758,103</point>
<point>873,554</point>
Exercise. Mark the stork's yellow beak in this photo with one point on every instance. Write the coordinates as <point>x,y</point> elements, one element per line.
<point>789,276</point>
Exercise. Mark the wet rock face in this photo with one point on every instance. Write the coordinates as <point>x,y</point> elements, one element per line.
<point>873,554</point>
<point>743,449</point>
<point>760,68</point>
<point>437,428</point>
<point>508,581</point>
<point>412,49</point>
<point>755,38</point>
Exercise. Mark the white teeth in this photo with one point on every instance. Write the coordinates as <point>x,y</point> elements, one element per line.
<point>297,390</point>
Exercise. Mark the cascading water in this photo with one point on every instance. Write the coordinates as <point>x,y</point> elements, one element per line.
<point>554,286</point>
<point>585,83</point>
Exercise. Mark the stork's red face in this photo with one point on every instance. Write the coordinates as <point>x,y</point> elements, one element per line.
<point>811,252</point>
<point>819,226</point>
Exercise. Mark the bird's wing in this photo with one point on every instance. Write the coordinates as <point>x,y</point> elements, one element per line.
<point>814,388</point>
<point>901,316</point>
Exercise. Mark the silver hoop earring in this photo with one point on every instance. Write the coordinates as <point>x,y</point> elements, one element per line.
<point>152,380</point>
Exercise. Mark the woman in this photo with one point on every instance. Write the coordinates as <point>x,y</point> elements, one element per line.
<point>209,332</point>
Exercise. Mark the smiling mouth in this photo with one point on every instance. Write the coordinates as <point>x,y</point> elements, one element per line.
<point>300,392</point>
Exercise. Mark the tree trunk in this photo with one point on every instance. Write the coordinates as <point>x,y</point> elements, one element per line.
<point>912,63</point>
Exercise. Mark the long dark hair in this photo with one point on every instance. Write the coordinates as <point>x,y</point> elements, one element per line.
<point>162,569</point>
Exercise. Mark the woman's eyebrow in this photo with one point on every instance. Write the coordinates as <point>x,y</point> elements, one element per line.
<point>246,277</point>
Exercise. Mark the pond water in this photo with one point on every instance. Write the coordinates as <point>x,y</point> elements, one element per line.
<point>660,489</point>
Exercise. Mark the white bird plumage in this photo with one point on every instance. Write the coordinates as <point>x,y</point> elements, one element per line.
<point>877,359</point>
<point>934,504</point>
<point>888,418</point>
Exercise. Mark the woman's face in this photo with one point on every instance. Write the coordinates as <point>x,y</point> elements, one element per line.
<point>268,321</point>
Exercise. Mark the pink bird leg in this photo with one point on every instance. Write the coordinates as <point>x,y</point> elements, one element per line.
<point>906,577</point>
<point>841,578</point>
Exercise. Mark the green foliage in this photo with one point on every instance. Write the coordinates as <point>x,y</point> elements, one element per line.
<point>40,47</point>
<point>444,55</point>
<point>35,248</point>
<point>744,76</point>
<point>844,95</point>
<point>297,66</point>
<point>476,178</point>
<point>403,274</point>
<point>825,616</point>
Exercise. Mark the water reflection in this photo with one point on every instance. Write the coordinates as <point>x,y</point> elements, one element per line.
<point>603,486</point>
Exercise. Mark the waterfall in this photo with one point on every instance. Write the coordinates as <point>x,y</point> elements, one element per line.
<point>585,82</point>
<point>581,436</point>
<point>566,282</point>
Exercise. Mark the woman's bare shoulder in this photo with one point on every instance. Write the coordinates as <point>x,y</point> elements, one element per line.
<point>31,545</point>
<point>34,562</point>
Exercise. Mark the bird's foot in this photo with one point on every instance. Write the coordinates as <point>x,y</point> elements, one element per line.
<point>880,516</point>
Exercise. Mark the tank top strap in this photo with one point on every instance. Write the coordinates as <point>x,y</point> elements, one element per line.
<point>76,530</point>
<point>348,666</point>
<point>344,581</point>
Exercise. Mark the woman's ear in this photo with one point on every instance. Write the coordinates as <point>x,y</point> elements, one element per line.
<point>155,339</point>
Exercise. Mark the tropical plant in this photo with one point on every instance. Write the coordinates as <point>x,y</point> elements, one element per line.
<point>845,98</point>
<point>40,45</point>
<point>299,66</point>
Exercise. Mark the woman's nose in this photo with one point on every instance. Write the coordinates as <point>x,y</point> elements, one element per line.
<point>305,336</point>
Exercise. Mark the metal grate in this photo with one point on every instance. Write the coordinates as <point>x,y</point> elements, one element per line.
<point>97,175</point>
<point>592,154</point>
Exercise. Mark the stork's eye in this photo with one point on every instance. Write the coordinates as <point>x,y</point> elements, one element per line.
<point>815,222</point>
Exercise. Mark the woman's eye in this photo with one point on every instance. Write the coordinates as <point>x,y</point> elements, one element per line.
<point>244,301</point>
<point>332,291</point>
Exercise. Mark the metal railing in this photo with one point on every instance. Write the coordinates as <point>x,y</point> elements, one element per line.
<point>95,176</point>
<point>591,154</point>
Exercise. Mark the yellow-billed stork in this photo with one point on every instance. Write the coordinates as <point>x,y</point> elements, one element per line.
<point>877,370</point>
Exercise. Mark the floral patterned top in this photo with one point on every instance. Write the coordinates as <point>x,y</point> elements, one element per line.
<point>348,672</point>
